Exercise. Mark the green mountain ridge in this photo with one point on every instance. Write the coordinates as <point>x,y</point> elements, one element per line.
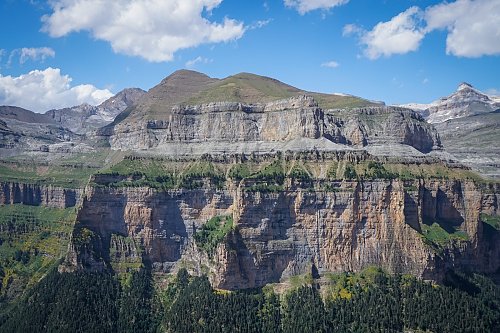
<point>191,88</point>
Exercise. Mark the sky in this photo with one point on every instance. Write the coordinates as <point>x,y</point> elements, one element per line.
<point>60,53</point>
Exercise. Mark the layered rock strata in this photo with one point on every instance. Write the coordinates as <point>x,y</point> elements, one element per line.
<point>277,122</point>
<point>38,195</point>
<point>346,227</point>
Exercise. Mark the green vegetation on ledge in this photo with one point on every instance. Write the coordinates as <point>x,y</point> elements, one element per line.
<point>194,176</point>
<point>213,233</point>
<point>160,175</point>
<point>266,175</point>
<point>442,234</point>
<point>64,170</point>
<point>492,220</point>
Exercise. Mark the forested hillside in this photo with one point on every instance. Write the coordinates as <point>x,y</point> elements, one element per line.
<point>370,301</point>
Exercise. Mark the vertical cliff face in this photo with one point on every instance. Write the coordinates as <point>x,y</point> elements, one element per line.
<point>158,225</point>
<point>279,121</point>
<point>358,225</point>
<point>346,227</point>
<point>38,195</point>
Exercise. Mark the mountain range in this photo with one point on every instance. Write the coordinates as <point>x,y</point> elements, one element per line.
<point>153,202</point>
<point>24,130</point>
<point>466,122</point>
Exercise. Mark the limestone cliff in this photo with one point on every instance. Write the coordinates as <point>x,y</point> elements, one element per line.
<point>309,224</point>
<point>38,195</point>
<point>275,123</point>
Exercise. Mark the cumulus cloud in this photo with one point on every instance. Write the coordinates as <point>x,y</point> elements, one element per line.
<point>330,64</point>
<point>304,6</point>
<point>398,36</point>
<point>42,90</point>
<point>151,29</point>
<point>473,28</point>
<point>198,60</point>
<point>35,53</point>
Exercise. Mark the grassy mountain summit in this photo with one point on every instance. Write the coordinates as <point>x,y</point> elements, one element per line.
<point>190,87</point>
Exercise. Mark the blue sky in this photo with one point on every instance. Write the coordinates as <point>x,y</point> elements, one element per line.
<point>64,52</point>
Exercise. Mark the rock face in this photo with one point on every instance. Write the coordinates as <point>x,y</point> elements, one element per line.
<point>474,141</point>
<point>84,118</point>
<point>24,130</point>
<point>191,108</point>
<point>38,195</point>
<point>352,225</point>
<point>295,118</point>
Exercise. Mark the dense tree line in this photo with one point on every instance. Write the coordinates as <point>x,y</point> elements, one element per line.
<point>384,304</point>
<point>91,302</point>
<point>77,302</point>
<point>85,302</point>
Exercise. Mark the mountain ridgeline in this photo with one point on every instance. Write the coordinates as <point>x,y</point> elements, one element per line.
<point>59,130</point>
<point>468,122</point>
<point>267,193</point>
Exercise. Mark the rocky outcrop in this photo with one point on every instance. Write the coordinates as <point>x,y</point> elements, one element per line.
<point>331,226</point>
<point>38,195</point>
<point>285,120</point>
<point>84,118</point>
<point>26,134</point>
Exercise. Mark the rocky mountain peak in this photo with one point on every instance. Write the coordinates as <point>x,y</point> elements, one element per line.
<point>466,101</point>
<point>127,96</point>
<point>464,86</point>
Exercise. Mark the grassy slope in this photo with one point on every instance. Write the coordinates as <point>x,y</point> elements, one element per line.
<point>32,240</point>
<point>251,88</point>
<point>66,170</point>
<point>194,88</point>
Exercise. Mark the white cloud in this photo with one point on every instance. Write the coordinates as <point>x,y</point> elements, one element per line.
<point>304,6</point>
<point>351,29</point>
<point>473,26</point>
<point>40,91</point>
<point>259,24</point>
<point>330,64</point>
<point>151,29</point>
<point>198,60</point>
<point>36,54</point>
<point>398,36</point>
